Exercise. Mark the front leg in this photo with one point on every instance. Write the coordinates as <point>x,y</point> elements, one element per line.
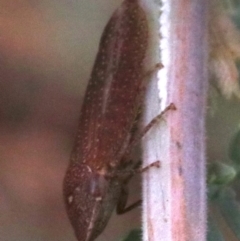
<point>122,202</point>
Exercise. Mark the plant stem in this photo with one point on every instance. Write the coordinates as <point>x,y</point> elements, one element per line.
<point>174,206</point>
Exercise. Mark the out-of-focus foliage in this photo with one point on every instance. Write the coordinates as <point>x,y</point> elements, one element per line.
<point>222,194</point>
<point>214,232</point>
<point>221,174</point>
<point>233,7</point>
<point>230,209</point>
<point>224,49</point>
<point>234,149</point>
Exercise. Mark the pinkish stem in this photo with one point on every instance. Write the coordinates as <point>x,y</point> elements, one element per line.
<point>174,206</point>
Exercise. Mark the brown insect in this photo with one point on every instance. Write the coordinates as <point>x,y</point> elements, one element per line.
<point>100,168</point>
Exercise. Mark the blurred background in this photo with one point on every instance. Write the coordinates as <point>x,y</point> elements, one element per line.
<point>47,49</point>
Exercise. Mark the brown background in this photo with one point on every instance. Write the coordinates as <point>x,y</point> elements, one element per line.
<point>47,49</point>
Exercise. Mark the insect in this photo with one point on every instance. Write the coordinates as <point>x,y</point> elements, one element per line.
<point>99,168</point>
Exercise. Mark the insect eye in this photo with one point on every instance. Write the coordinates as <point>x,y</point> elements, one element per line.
<point>97,185</point>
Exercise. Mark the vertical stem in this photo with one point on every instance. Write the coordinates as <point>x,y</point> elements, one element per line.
<point>174,206</point>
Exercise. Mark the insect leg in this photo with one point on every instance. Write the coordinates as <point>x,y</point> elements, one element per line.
<point>122,202</point>
<point>153,122</point>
